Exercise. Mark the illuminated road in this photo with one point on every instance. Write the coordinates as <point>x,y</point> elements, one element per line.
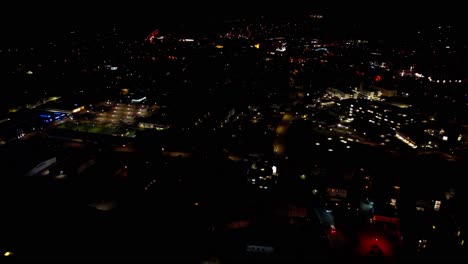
<point>444,155</point>
<point>344,133</point>
<point>278,143</point>
<point>177,154</point>
<point>123,149</point>
<point>234,157</point>
<point>121,173</point>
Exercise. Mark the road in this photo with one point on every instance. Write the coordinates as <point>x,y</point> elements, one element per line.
<point>278,143</point>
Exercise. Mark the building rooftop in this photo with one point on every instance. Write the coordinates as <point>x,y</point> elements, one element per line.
<point>61,105</point>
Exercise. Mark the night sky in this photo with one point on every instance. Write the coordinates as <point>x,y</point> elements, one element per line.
<point>33,20</point>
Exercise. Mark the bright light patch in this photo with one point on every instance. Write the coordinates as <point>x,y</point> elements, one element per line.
<point>76,110</point>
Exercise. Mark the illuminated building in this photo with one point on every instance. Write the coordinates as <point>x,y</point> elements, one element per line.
<point>370,94</point>
<point>337,194</point>
<point>386,91</point>
<point>342,94</point>
<point>262,174</point>
<point>377,113</point>
<point>152,126</point>
<point>49,117</point>
<point>157,121</point>
<point>64,107</point>
<point>406,139</point>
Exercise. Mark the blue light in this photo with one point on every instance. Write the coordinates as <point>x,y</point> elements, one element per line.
<point>46,116</point>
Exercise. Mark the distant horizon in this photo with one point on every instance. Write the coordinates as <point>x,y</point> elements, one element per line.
<point>44,21</point>
<point>89,13</point>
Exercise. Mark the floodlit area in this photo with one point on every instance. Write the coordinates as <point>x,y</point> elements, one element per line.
<point>122,113</point>
<point>117,120</point>
<point>106,129</point>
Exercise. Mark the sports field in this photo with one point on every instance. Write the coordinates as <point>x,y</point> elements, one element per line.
<point>105,129</point>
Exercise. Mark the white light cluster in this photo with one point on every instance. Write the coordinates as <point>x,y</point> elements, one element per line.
<point>444,81</point>
<point>406,141</point>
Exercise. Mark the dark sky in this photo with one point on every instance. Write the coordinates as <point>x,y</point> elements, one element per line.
<point>38,19</point>
<point>104,11</point>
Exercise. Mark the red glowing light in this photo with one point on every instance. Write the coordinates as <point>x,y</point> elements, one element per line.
<point>378,78</point>
<point>370,244</point>
<point>152,36</point>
